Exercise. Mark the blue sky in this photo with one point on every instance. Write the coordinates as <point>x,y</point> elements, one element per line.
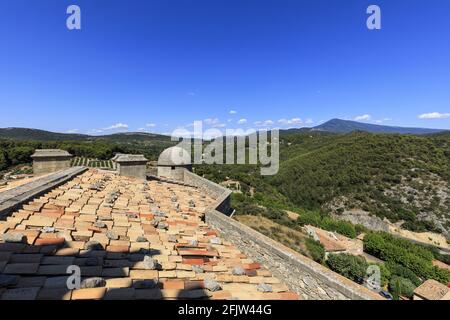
<point>158,65</point>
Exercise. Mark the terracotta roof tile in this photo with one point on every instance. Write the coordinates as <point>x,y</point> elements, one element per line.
<point>122,220</point>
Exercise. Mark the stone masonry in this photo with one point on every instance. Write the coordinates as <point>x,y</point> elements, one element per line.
<point>50,160</point>
<point>304,276</point>
<point>155,239</point>
<point>132,239</point>
<point>132,165</point>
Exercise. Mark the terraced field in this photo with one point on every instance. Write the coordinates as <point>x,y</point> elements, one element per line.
<point>92,163</point>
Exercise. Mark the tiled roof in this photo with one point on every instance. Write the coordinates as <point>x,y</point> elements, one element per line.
<point>441,265</point>
<point>117,155</point>
<point>432,290</point>
<point>147,240</point>
<point>330,242</point>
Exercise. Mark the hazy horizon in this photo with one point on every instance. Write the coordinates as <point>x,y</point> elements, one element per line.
<point>161,65</point>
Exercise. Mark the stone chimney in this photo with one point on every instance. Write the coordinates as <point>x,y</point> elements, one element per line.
<point>132,165</point>
<point>50,160</point>
<point>173,162</point>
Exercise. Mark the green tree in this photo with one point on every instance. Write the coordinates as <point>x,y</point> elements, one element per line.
<point>315,249</point>
<point>385,274</point>
<point>3,161</point>
<point>396,251</point>
<point>350,266</point>
<point>401,286</point>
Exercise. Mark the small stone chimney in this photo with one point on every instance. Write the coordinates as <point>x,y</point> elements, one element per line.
<point>50,160</point>
<point>173,162</point>
<point>132,165</point>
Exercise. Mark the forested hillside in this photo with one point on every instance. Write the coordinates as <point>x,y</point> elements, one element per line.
<point>15,152</point>
<point>403,178</point>
<point>400,177</point>
<point>27,134</point>
<point>347,126</point>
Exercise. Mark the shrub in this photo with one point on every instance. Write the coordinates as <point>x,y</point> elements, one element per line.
<point>350,266</point>
<point>385,274</point>
<point>316,219</point>
<point>315,249</point>
<point>441,275</point>
<point>243,205</point>
<point>275,214</point>
<point>401,271</point>
<point>3,161</point>
<point>401,286</point>
<point>345,228</point>
<point>419,226</point>
<point>360,229</point>
<point>311,218</point>
<point>342,227</point>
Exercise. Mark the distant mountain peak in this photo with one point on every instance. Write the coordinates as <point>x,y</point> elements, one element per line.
<point>346,126</point>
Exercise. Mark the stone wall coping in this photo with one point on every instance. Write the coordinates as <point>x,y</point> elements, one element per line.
<point>167,180</point>
<point>12,199</point>
<point>50,153</point>
<point>335,280</point>
<point>223,194</point>
<point>215,205</point>
<point>131,158</point>
<point>345,286</point>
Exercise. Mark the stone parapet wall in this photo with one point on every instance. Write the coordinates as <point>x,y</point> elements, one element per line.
<point>221,194</point>
<point>304,276</point>
<point>12,199</point>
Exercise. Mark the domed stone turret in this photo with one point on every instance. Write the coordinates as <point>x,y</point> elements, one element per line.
<point>172,163</point>
<point>174,156</point>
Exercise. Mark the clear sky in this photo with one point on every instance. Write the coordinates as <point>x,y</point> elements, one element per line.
<point>159,64</point>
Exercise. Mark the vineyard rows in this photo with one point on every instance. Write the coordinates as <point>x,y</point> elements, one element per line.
<point>92,163</point>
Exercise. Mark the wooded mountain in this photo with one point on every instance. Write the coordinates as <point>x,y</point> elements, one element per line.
<point>346,126</point>
<point>42,135</point>
<point>332,126</point>
<point>396,176</point>
<point>38,135</point>
<point>399,177</point>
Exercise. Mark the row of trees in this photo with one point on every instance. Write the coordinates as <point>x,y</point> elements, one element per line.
<point>400,281</point>
<point>326,222</point>
<point>405,258</point>
<point>348,265</point>
<point>19,152</point>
